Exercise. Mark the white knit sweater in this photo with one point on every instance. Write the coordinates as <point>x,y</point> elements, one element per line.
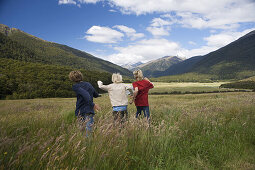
<point>117,92</point>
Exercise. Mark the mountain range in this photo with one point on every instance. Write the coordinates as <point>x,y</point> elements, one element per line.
<point>233,61</point>
<point>151,67</point>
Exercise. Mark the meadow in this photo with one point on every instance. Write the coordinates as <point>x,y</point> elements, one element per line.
<point>191,131</point>
<point>189,88</point>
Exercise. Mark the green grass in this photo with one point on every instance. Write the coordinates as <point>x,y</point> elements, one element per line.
<point>205,131</point>
<point>184,88</point>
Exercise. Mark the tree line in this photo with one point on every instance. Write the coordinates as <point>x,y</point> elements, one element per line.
<point>26,80</point>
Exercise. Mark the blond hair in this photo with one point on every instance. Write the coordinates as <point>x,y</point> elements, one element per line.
<point>116,78</point>
<point>138,74</point>
<point>75,76</point>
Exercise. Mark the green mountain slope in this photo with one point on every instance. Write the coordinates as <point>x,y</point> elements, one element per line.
<point>234,61</point>
<point>25,74</point>
<point>57,54</point>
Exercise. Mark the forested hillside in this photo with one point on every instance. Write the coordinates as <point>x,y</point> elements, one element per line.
<point>52,53</point>
<point>25,74</point>
<point>20,80</point>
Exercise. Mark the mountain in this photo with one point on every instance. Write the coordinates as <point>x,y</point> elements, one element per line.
<point>52,53</point>
<point>234,61</point>
<point>179,68</point>
<point>149,69</point>
<point>131,66</point>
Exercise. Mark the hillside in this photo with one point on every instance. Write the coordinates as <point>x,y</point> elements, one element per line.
<point>26,80</point>
<point>149,69</point>
<point>234,61</point>
<point>179,68</point>
<point>26,74</point>
<point>248,83</point>
<point>52,53</point>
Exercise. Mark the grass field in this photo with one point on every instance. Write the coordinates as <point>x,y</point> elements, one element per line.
<point>202,131</point>
<point>182,88</point>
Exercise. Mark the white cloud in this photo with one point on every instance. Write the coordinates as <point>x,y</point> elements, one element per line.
<point>159,27</point>
<point>192,43</point>
<point>216,14</point>
<point>130,32</point>
<point>103,35</point>
<point>214,42</point>
<point>223,14</point>
<point>196,52</point>
<point>112,10</point>
<point>144,50</point>
<point>159,22</point>
<point>158,31</point>
<point>224,38</point>
<point>151,49</point>
<point>88,1</point>
<point>60,2</point>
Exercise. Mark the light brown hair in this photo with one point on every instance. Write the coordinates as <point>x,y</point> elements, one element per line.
<point>138,74</point>
<point>75,76</point>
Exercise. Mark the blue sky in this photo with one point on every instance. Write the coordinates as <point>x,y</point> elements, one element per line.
<point>128,31</point>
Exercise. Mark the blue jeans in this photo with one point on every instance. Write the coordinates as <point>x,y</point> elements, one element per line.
<point>145,109</point>
<point>89,119</point>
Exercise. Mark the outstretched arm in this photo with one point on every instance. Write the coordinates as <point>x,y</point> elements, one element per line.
<point>101,86</point>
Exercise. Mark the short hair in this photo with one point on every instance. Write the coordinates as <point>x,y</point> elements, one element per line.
<point>116,78</point>
<point>138,74</point>
<point>75,76</point>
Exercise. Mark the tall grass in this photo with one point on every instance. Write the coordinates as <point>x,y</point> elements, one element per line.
<point>206,131</point>
<point>190,88</point>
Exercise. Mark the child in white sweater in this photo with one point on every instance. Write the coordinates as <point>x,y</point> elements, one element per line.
<point>118,96</point>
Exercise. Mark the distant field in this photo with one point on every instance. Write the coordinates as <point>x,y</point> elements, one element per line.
<point>187,87</point>
<point>202,131</point>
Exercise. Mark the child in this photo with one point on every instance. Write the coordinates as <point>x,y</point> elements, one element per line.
<point>118,96</point>
<point>84,104</point>
<point>141,87</point>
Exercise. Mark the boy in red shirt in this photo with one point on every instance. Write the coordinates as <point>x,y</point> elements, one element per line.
<point>141,87</point>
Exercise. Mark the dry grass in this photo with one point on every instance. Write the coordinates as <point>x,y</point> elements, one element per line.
<point>206,131</point>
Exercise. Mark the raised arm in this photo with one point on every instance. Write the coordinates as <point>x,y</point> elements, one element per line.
<point>103,87</point>
<point>151,85</point>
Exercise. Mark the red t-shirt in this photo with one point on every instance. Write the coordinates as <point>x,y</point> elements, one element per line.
<point>143,88</point>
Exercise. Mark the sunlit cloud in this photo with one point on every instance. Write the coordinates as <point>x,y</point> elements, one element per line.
<point>130,32</point>
<point>60,2</point>
<point>103,35</point>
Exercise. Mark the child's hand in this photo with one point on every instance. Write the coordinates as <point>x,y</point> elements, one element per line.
<point>145,78</point>
<point>97,107</point>
<point>99,83</point>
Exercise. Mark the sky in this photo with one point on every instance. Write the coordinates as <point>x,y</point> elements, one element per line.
<point>129,31</point>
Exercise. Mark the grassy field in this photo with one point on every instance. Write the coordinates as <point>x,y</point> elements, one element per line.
<point>182,88</point>
<point>202,131</point>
